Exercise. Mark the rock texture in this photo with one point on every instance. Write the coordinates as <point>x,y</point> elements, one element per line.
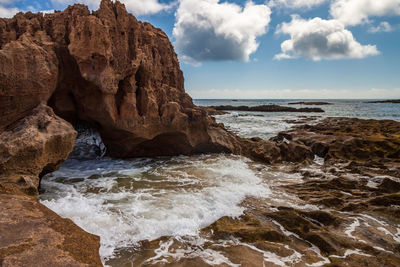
<point>36,145</point>
<point>31,234</point>
<point>119,75</point>
<point>108,69</point>
<point>348,139</point>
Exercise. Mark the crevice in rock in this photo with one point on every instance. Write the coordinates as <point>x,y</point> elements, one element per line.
<point>139,104</point>
<point>119,96</point>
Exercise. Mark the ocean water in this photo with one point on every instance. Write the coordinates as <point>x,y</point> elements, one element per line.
<point>127,202</point>
<point>267,125</point>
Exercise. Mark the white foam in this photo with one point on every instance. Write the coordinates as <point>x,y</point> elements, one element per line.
<point>193,250</point>
<point>396,237</point>
<point>352,227</point>
<point>254,124</point>
<point>351,252</point>
<point>122,209</point>
<point>291,260</point>
<point>319,161</point>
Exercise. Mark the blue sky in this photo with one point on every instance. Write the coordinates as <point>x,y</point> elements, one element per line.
<point>275,48</point>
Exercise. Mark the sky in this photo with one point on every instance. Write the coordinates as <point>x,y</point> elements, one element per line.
<point>273,49</point>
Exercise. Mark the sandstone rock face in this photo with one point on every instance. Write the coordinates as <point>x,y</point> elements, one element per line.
<point>31,234</point>
<point>28,75</point>
<point>36,145</point>
<point>119,75</point>
<point>105,68</point>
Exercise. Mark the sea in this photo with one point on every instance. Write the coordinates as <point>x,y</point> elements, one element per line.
<point>170,199</point>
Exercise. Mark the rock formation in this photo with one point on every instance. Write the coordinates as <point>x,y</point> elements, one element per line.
<point>108,70</point>
<point>348,139</point>
<point>31,234</point>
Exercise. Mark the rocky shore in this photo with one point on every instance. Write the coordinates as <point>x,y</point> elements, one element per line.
<point>266,108</point>
<point>122,77</point>
<point>107,70</point>
<point>343,210</point>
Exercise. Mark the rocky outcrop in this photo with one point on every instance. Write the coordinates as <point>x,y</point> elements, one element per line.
<point>113,72</point>
<point>397,101</point>
<point>105,68</point>
<point>348,139</point>
<point>267,108</point>
<point>31,234</point>
<point>36,145</point>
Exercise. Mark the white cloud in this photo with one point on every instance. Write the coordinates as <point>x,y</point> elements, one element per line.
<point>384,26</point>
<point>354,12</point>
<point>207,30</point>
<point>296,94</point>
<point>8,12</point>
<point>137,7</point>
<point>294,4</point>
<point>321,39</point>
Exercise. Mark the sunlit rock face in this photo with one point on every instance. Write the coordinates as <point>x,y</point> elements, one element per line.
<point>106,68</point>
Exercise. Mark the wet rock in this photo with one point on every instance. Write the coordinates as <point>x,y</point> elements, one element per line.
<point>354,140</point>
<point>389,186</point>
<point>248,228</point>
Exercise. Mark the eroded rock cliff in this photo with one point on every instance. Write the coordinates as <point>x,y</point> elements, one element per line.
<point>105,68</point>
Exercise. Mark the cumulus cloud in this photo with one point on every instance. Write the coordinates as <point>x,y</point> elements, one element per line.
<point>8,12</point>
<point>354,12</point>
<point>321,39</point>
<point>384,26</point>
<point>137,7</point>
<point>207,30</point>
<point>294,4</point>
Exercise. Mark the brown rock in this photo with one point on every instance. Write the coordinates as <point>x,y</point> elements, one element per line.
<point>347,139</point>
<point>36,145</point>
<point>32,235</point>
<point>28,75</point>
<point>119,75</point>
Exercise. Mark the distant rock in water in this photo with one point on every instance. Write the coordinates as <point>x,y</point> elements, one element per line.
<point>267,108</point>
<point>311,103</point>
<point>385,101</point>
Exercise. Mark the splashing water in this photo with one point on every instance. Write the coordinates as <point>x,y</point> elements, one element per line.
<point>125,202</point>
